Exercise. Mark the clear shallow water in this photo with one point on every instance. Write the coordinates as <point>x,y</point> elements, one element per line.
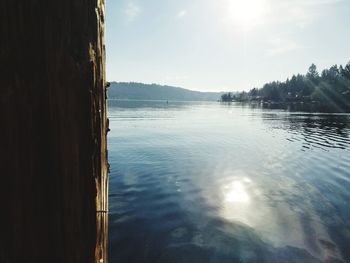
<point>208,182</point>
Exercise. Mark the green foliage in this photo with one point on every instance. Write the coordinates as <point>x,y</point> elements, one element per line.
<point>330,90</point>
<point>312,73</point>
<point>227,97</point>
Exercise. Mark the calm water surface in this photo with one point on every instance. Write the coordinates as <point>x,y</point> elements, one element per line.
<point>208,182</point>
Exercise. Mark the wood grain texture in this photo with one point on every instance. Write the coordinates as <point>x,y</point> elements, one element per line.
<point>53,131</point>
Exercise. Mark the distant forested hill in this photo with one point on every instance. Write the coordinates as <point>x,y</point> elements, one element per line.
<point>330,90</point>
<point>140,91</point>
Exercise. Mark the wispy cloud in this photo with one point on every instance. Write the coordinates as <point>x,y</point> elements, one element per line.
<point>300,12</point>
<point>131,11</point>
<point>181,14</point>
<point>321,2</point>
<point>280,46</point>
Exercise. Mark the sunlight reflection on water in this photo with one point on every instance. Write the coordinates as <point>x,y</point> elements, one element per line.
<point>245,203</point>
<point>235,192</point>
<point>226,183</point>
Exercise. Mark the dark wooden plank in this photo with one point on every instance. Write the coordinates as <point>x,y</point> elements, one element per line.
<point>53,140</point>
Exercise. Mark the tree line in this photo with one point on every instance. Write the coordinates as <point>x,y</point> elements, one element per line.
<point>330,89</point>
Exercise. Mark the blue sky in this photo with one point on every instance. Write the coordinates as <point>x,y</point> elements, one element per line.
<point>223,45</point>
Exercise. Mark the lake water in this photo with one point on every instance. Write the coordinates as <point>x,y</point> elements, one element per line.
<point>210,182</point>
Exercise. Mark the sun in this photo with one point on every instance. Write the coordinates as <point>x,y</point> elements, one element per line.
<point>247,14</point>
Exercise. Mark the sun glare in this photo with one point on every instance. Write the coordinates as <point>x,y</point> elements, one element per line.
<point>236,193</point>
<point>247,13</point>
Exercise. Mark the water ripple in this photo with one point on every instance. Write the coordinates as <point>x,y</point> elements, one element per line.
<point>196,182</point>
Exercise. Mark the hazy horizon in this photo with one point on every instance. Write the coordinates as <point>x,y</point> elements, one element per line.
<point>166,85</point>
<point>223,45</point>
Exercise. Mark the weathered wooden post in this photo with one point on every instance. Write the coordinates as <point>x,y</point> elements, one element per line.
<point>54,185</point>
